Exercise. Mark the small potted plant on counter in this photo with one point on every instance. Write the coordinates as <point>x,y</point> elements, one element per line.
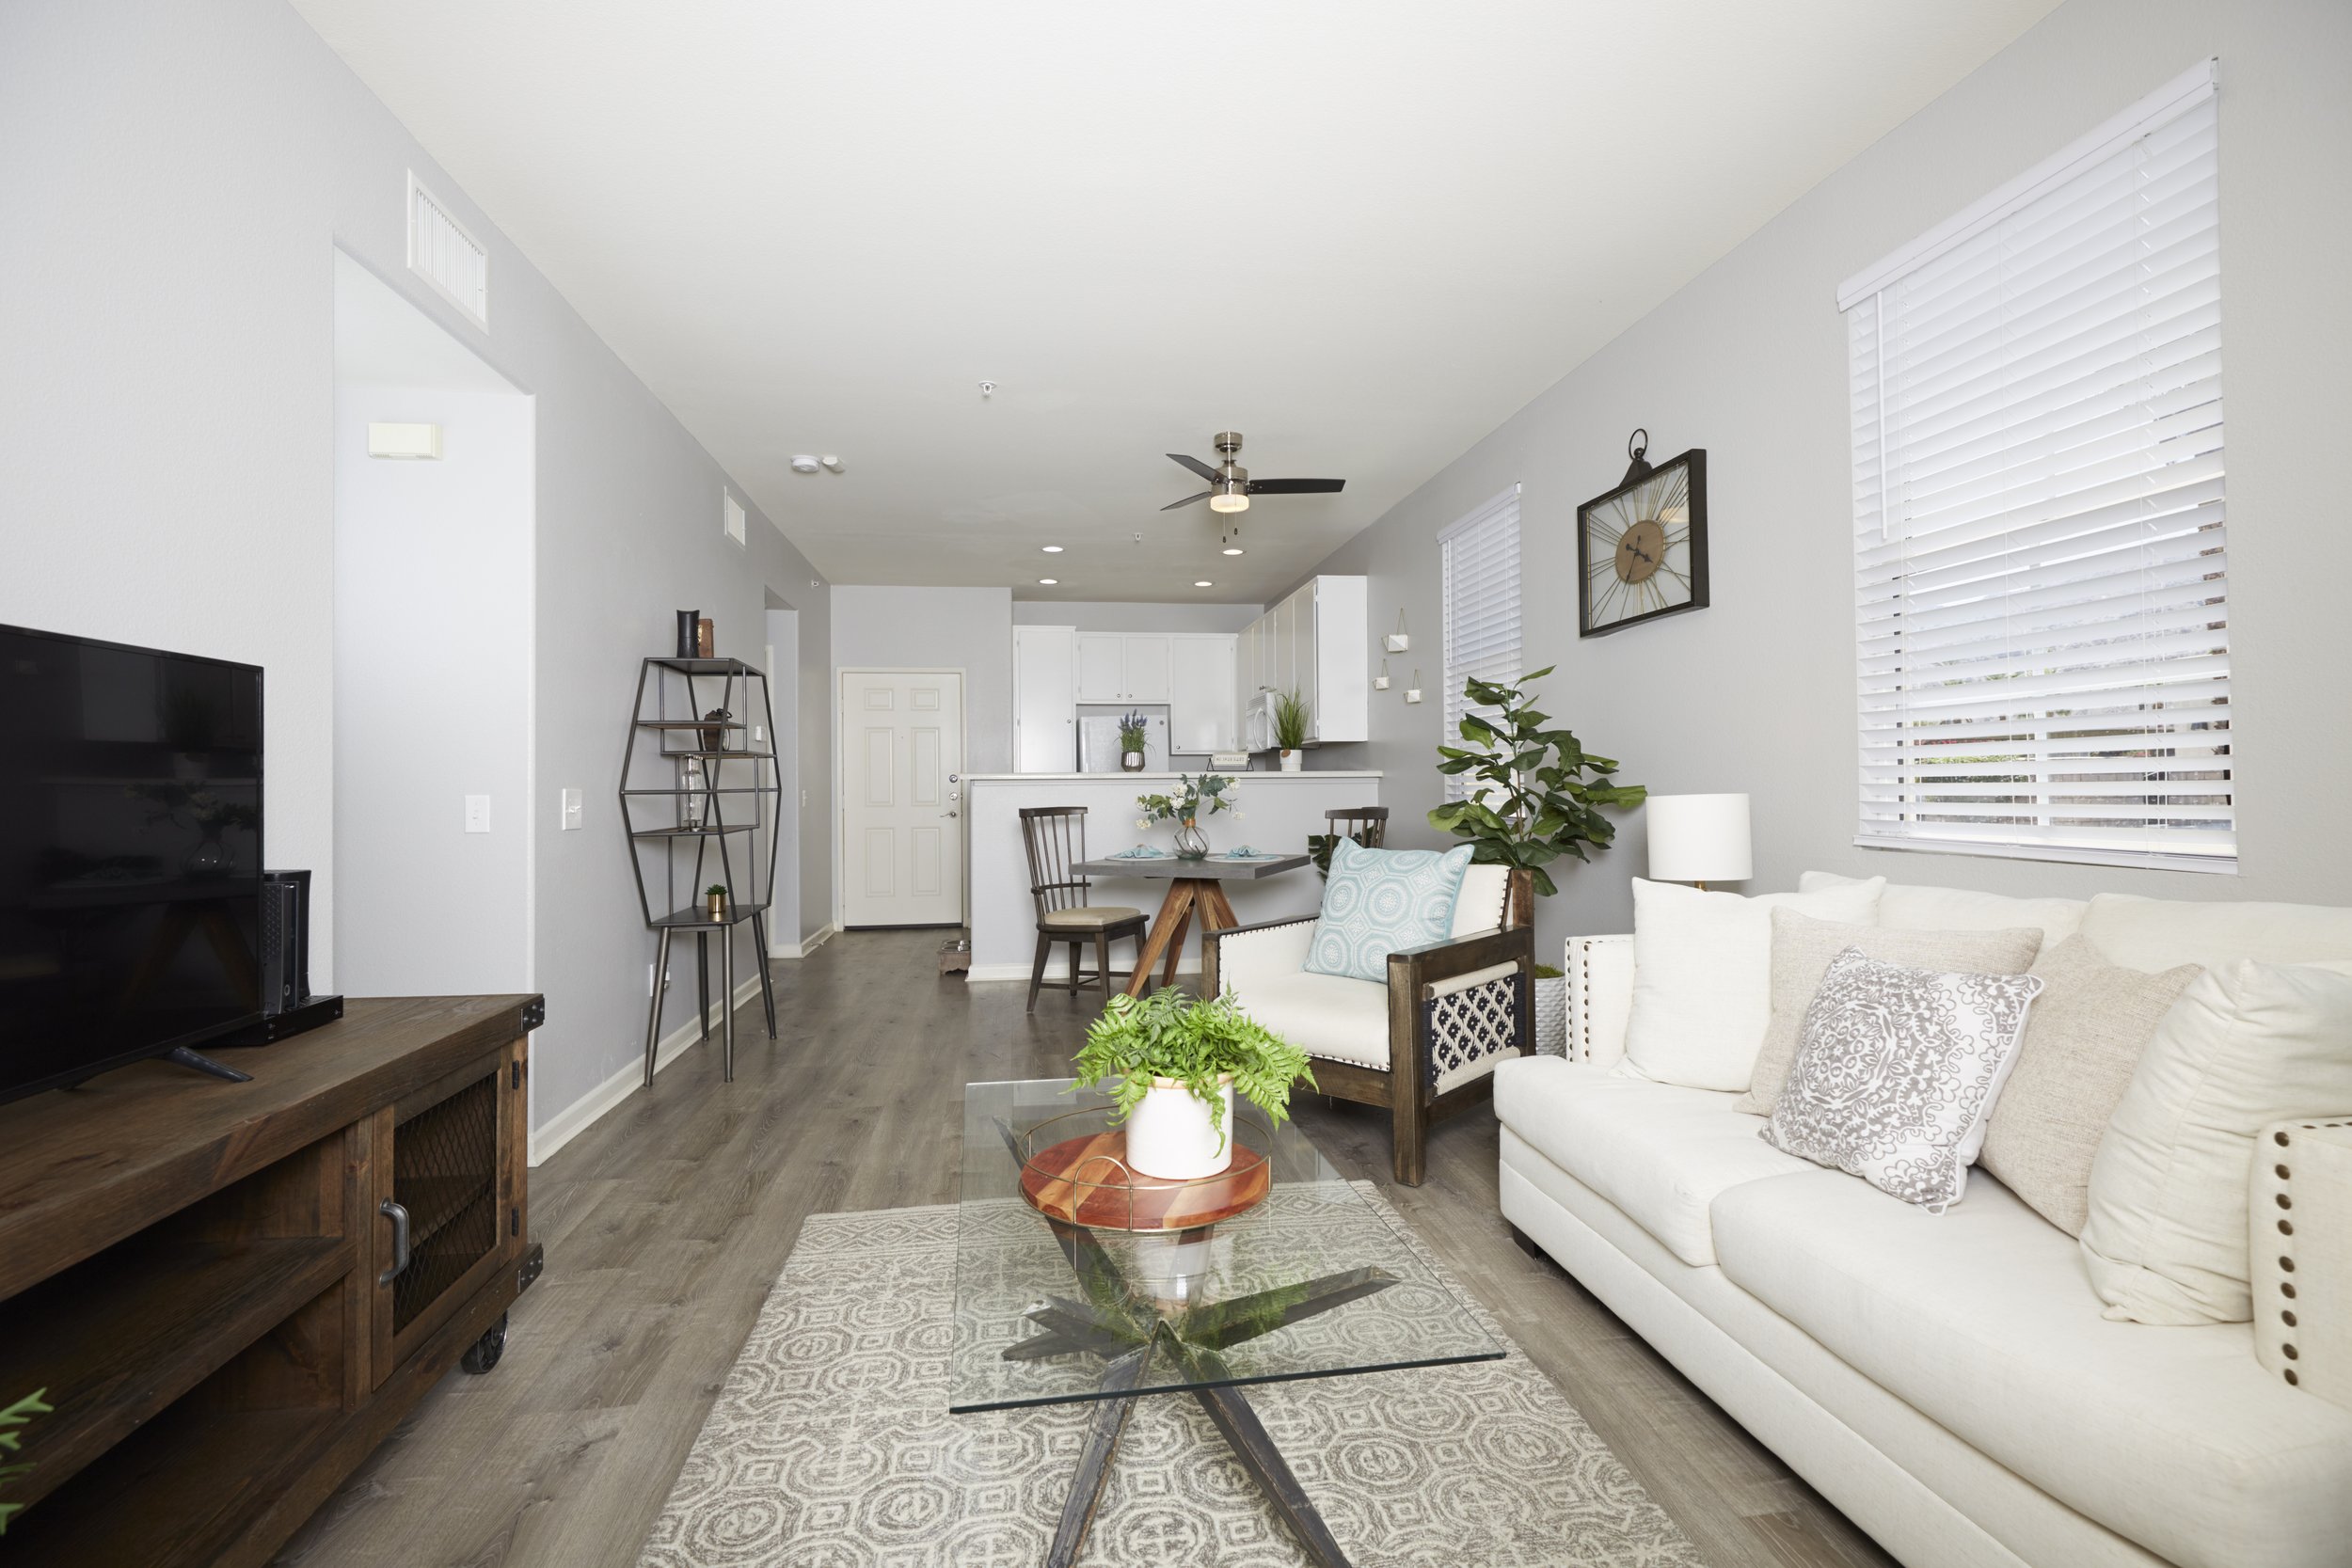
<point>1131,742</point>
<point>1204,796</point>
<point>715,900</point>
<point>1177,1064</point>
<point>1290,716</point>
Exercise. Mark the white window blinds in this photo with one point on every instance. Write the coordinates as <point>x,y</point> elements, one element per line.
<point>2039,551</point>
<point>1481,565</point>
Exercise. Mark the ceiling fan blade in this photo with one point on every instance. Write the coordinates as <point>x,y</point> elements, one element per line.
<point>1188,501</point>
<point>1296,486</point>
<point>1195,464</point>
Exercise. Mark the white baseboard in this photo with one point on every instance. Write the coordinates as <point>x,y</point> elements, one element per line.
<point>803,949</point>
<point>590,1108</point>
<point>1055,970</point>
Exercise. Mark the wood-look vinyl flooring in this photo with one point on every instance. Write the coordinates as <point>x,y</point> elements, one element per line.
<point>665,1223</point>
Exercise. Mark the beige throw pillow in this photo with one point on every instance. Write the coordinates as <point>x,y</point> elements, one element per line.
<point>1803,948</point>
<point>2089,1027</point>
<point>2246,1045</point>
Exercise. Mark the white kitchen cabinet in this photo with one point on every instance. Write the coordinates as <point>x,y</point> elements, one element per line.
<point>1316,643</point>
<point>1101,667</point>
<point>1201,712</point>
<point>1045,695</point>
<point>1146,655</point>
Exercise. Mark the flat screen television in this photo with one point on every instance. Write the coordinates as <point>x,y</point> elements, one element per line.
<point>129,855</point>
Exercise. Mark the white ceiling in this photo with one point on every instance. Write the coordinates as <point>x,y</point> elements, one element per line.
<point>1362,233</point>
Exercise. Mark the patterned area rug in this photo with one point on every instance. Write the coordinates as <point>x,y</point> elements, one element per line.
<point>831,1446</point>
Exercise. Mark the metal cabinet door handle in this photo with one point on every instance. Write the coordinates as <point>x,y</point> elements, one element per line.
<point>398,1215</point>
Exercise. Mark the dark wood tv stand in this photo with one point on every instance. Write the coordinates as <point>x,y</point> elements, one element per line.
<point>201,1274</point>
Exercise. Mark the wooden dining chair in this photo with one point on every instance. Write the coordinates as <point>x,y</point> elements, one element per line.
<point>1367,825</point>
<point>1056,837</point>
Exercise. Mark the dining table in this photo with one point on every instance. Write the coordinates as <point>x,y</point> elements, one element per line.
<point>1195,887</point>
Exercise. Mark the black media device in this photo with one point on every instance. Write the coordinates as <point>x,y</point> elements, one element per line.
<point>131,884</point>
<point>286,1005</point>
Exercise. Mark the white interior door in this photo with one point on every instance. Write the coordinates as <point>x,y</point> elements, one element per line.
<point>901,797</point>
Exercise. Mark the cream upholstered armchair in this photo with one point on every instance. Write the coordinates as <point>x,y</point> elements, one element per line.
<point>1425,1044</point>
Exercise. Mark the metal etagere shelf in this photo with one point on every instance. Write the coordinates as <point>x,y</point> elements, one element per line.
<point>706,729</point>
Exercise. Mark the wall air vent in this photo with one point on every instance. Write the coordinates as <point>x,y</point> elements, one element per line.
<point>444,254</point>
<point>731,517</point>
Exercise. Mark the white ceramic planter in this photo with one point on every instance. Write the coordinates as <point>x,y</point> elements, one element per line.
<point>1169,1134</point>
<point>1294,762</point>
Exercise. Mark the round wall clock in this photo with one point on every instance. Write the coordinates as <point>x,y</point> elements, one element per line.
<point>1641,550</point>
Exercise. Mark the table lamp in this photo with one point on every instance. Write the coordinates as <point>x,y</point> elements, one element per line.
<point>1699,838</point>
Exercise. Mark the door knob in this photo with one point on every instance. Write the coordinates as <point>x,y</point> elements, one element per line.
<point>947,814</point>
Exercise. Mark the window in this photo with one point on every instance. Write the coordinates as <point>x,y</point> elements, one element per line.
<point>1481,567</point>
<point>2039,555</point>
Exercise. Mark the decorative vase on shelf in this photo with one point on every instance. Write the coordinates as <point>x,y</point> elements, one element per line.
<point>1293,761</point>
<point>688,632</point>
<point>716,903</point>
<point>1131,762</point>
<point>1191,843</point>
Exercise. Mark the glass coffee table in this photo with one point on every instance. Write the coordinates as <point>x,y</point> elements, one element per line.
<point>1278,1270</point>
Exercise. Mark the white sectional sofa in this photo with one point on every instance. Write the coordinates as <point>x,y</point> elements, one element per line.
<point>1947,1381</point>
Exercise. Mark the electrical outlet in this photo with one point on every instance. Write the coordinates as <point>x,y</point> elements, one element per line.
<point>477,814</point>
<point>665,980</point>
<point>571,810</point>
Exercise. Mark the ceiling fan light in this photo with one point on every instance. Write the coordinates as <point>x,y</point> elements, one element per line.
<point>1232,549</point>
<point>1235,499</point>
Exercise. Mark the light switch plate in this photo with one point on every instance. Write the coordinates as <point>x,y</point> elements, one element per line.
<point>571,810</point>
<point>477,814</point>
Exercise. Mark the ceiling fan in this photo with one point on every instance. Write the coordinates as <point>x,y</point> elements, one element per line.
<point>1231,486</point>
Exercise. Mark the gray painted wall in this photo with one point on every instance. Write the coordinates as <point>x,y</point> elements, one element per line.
<point>1749,361</point>
<point>944,629</point>
<point>176,177</point>
<point>1105,616</point>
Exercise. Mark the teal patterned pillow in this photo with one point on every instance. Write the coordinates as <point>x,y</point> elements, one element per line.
<point>1382,901</point>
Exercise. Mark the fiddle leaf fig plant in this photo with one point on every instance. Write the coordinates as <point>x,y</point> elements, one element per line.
<point>1536,793</point>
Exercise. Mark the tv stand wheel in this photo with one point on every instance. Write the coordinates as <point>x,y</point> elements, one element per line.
<point>483,1352</point>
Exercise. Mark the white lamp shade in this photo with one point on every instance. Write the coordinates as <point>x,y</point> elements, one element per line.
<point>1699,838</point>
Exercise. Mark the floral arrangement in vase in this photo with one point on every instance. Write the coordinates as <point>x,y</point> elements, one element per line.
<point>1131,742</point>
<point>1197,797</point>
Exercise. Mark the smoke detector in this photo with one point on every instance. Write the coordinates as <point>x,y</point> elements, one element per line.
<point>804,463</point>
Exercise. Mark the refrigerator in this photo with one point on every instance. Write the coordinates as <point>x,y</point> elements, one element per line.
<point>1098,743</point>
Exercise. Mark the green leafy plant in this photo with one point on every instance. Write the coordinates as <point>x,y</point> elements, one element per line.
<point>1533,801</point>
<point>11,1440</point>
<point>1290,714</point>
<point>717,890</point>
<point>1204,796</point>
<point>1168,1035</point>
<point>1131,732</point>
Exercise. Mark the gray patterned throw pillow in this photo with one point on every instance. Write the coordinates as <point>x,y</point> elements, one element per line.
<point>1898,1071</point>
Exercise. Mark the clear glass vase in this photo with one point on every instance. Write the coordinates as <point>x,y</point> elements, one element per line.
<point>1191,843</point>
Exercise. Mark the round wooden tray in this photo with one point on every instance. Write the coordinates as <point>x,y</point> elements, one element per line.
<point>1084,1181</point>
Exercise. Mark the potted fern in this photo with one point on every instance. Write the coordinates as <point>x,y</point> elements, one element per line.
<point>1290,716</point>
<point>1175,1064</point>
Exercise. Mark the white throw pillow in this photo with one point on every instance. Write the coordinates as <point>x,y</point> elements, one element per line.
<point>2153,934</point>
<point>1702,975</point>
<point>1915,906</point>
<point>2248,1043</point>
<point>1898,1074</point>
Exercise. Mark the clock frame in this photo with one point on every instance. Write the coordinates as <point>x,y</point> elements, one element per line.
<point>1623,537</point>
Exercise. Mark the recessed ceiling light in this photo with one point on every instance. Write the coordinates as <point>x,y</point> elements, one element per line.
<point>1232,549</point>
<point>1204,582</point>
<point>1047,582</point>
<point>1051,549</point>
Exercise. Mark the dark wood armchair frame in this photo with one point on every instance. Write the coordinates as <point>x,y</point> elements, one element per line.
<point>1406,1086</point>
